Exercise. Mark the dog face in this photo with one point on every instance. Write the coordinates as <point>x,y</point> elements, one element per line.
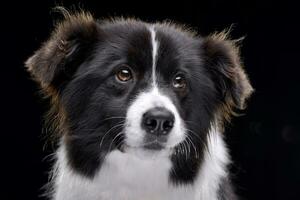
<point>132,86</point>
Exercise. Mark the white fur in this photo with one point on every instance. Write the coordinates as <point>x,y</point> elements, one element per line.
<point>214,166</point>
<point>129,176</point>
<point>155,46</point>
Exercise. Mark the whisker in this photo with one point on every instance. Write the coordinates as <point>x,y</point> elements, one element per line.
<point>116,126</point>
<point>187,148</point>
<point>192,143</point>
<point>94,129</point>
<point>120,143</point>
<point>182,149</point>
<point>114,117</point>
<point>196,135</point>
<point>114,140</point>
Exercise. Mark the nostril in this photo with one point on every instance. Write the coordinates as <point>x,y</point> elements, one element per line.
<point>151,124</point>
<point>167,125</point>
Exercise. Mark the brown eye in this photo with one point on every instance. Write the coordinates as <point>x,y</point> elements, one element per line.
<point>124,74</point>
<point>179,82</point>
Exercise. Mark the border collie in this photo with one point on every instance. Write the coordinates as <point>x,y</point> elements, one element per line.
<point>139,109</point>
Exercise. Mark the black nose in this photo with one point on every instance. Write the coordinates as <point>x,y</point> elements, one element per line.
<point>158,121</point>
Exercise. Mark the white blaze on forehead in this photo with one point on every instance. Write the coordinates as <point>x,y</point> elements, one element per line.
<point>155,46</point>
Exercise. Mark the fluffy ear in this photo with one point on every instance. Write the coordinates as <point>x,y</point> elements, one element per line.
<point>58,58</point>
<point>223,62</point>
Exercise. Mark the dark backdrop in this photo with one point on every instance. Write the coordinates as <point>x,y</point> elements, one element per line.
<point>265,143</point>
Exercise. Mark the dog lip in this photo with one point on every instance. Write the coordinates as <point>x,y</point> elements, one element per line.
<point>154,142</point>
<point>155,145</point>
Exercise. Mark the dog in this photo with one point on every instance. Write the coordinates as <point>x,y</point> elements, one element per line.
<point>139,109</point>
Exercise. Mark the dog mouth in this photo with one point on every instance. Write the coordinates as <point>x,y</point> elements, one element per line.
<point>150,143</point>
<point>154,142</point>
<point>151,151</point>
<point>154,145</point>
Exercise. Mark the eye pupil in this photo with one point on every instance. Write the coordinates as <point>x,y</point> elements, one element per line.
<point>179,82</point>
<point>124,75</point>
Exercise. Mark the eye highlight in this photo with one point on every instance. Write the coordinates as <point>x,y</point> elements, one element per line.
<point>179,82</point>
<point>124,74</point>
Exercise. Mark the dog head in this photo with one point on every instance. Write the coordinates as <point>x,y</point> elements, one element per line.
<point>125,84</point>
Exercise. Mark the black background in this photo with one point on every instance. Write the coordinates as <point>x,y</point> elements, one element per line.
<point>265,143</point>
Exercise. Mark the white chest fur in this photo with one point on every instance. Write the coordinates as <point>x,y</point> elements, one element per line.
<point>126,176</point>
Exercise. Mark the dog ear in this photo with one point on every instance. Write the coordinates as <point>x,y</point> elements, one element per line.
<point>221,57</point>
<point>59,57</point>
